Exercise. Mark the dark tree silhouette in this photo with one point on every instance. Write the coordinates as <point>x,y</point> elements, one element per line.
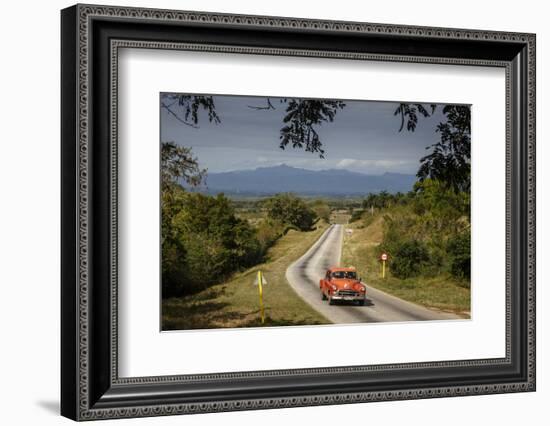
<point>449,161</point>
<point>177,162</point>
<point>301,120</point>
<point>410,113</point>
<point>189,106</point>
<point>302,116</point>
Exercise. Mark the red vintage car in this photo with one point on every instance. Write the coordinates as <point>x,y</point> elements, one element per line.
<point>342,284</point>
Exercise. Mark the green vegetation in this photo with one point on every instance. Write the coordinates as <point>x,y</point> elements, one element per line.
<point>212,246</point>
<point>206,239</point>
<point>419,227</point>
<point>356,215</point>
<point>291,210</point>
<point>459,248</point>
<point>411,258</point>
<point>426,234</point>
<point>203,241</point>
<point>321,209</point>
<point>234,303</point>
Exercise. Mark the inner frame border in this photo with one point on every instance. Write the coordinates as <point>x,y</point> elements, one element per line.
<point>117,44</point>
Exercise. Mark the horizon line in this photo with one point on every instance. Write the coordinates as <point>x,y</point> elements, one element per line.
<point>311,170</point>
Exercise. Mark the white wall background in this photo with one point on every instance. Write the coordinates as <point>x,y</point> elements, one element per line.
<point>29,213</point>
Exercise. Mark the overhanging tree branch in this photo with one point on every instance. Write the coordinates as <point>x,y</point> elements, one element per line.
<point>176,116</point>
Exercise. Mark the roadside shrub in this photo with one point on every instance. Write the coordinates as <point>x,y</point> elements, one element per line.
<point>436,263</point>
<point>203,242</point>
<point>207,260</point>
<point>398,228</point>
<point>356,215</point>
<point>458,248</point>
<point>434,197</point>
<point>268,231</point>
<point>409,259</point>
<point>321,209</point>
<point>288,208</point>
<point>367,220</point>
<point>174,268</point>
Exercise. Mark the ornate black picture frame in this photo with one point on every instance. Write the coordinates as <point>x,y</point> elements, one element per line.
<point>91,387</point>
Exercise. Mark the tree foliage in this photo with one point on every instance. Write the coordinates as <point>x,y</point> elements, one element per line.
<point>178,163</point>
<point>433,197</point>
<point>188,108</point>
<point>322,209</point>
<point>459,247</point>
<point>409,259</point>
<point>174,252</point>
<point>202,239</point>
<point>301,119</point>
<point>409,114</point>
<point>449,159</point>
<point>203,242</point>
<point>434,220</point>
<point>356,215</point>
<point>289,209</point>
<point>425,231</point>
<point>380,200</point>
<point>300,124</point>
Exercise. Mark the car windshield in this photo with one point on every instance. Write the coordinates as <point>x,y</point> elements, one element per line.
<point>350,275</point>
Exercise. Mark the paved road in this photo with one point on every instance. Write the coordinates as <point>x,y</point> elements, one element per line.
<point>304,275</point>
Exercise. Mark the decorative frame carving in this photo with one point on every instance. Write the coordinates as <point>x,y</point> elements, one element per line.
<point>91,388</point>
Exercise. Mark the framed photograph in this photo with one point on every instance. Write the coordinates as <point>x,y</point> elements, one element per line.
<point>263,212</point>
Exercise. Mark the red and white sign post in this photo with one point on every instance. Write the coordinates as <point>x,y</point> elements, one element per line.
<point>383,259</point>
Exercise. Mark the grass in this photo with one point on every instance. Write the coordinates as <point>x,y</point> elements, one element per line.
<point>361,250</point>
<point>235,303</point>
<point>340,216</point>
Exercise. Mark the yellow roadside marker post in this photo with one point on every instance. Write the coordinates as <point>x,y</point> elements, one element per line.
<point>383,259</point>
<point>260,282</point>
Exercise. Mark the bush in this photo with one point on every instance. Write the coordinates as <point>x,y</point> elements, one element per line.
<point>289,209</point>
<point>458,248</point>
<point>409,259</point>
<point>268,232</point>
<point>356,215</point>
<point>433,196</point>
<point>321,209</point>
<point>174,269</point>
<point>207,260</point>
<point>437,262</point>
<point>202,242</point>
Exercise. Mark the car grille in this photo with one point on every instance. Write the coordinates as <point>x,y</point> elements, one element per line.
<point>347,293</point>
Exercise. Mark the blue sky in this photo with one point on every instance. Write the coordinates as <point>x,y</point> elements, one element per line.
<point>364,137</point>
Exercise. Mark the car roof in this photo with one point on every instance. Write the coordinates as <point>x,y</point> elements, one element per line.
<point>348,269</point>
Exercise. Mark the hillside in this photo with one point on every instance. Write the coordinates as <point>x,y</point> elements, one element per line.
<point>283,178</point>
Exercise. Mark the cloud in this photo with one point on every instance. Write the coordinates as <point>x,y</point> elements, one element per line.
<point>355,163</point>
<point>369,166</point>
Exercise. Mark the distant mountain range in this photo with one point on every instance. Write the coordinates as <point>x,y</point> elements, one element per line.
<point>283,178</point>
